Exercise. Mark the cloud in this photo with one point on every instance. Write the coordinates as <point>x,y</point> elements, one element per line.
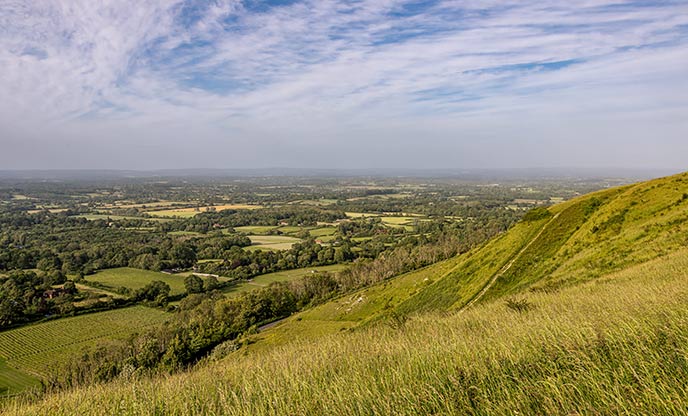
<point>319,76</point>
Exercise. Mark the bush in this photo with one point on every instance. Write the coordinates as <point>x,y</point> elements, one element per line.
<point>536,214</point>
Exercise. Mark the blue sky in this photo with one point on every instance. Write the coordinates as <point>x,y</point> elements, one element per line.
<point>349,84</point>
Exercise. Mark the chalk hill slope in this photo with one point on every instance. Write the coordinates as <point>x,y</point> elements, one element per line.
<point>581,308</point>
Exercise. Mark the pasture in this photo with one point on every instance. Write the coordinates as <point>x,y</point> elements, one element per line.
<point>272,242</point>
<point>136,279</point>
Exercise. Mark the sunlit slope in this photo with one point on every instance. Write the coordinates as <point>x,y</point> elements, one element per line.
<point>615,345</point>
<point>573,242</point>
<point>581,239</point>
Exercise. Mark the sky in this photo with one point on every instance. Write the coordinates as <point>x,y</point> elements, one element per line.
<point>158,84</point>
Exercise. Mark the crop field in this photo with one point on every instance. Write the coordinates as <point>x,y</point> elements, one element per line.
<point>136,278</point>
<point>34,349</point>
<point>265,279</point>
<point>272,242</point>
<point>190,212</point>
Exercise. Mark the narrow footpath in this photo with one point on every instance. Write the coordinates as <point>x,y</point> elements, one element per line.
<point>508,265</point>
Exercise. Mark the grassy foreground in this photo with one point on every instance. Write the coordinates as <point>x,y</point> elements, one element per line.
<point>615,345</point>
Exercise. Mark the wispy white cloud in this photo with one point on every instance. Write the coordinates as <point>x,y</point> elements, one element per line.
<point>319,76</point>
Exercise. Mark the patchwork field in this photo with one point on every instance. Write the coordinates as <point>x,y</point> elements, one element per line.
<point>32,350</point>
<point>136,278</point>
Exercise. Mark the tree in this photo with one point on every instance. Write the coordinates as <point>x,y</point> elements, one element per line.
<point>210,283</point>
<point>69,287</point>
<point>193,284</point>
<point>183,255</point>
<point>156,290</point>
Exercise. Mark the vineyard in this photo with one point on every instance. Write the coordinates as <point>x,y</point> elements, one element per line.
<point>34,349</point>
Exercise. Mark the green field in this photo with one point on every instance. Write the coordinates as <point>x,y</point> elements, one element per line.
<point>136,279</point>
<point>265,279</point>
<point>322,232</point>
<point>272,242</point>
<point>255,229</point>
<point>34,349</point>
<point>361,214</point>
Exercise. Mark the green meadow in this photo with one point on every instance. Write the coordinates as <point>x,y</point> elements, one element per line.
<point>272,242</point>
<point>136,279</point>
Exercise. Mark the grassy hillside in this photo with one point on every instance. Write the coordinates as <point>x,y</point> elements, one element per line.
<point>570,243</point>
<point>616,345</point>
<point>580,240</point>
<point>581,308</point>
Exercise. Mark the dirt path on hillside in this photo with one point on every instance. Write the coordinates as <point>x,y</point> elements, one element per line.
<point>508,265</point>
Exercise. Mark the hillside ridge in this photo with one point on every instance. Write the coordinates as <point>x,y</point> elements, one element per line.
<point>508,265</point>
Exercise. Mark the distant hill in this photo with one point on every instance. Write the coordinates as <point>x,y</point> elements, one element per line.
<point>581,308</point>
